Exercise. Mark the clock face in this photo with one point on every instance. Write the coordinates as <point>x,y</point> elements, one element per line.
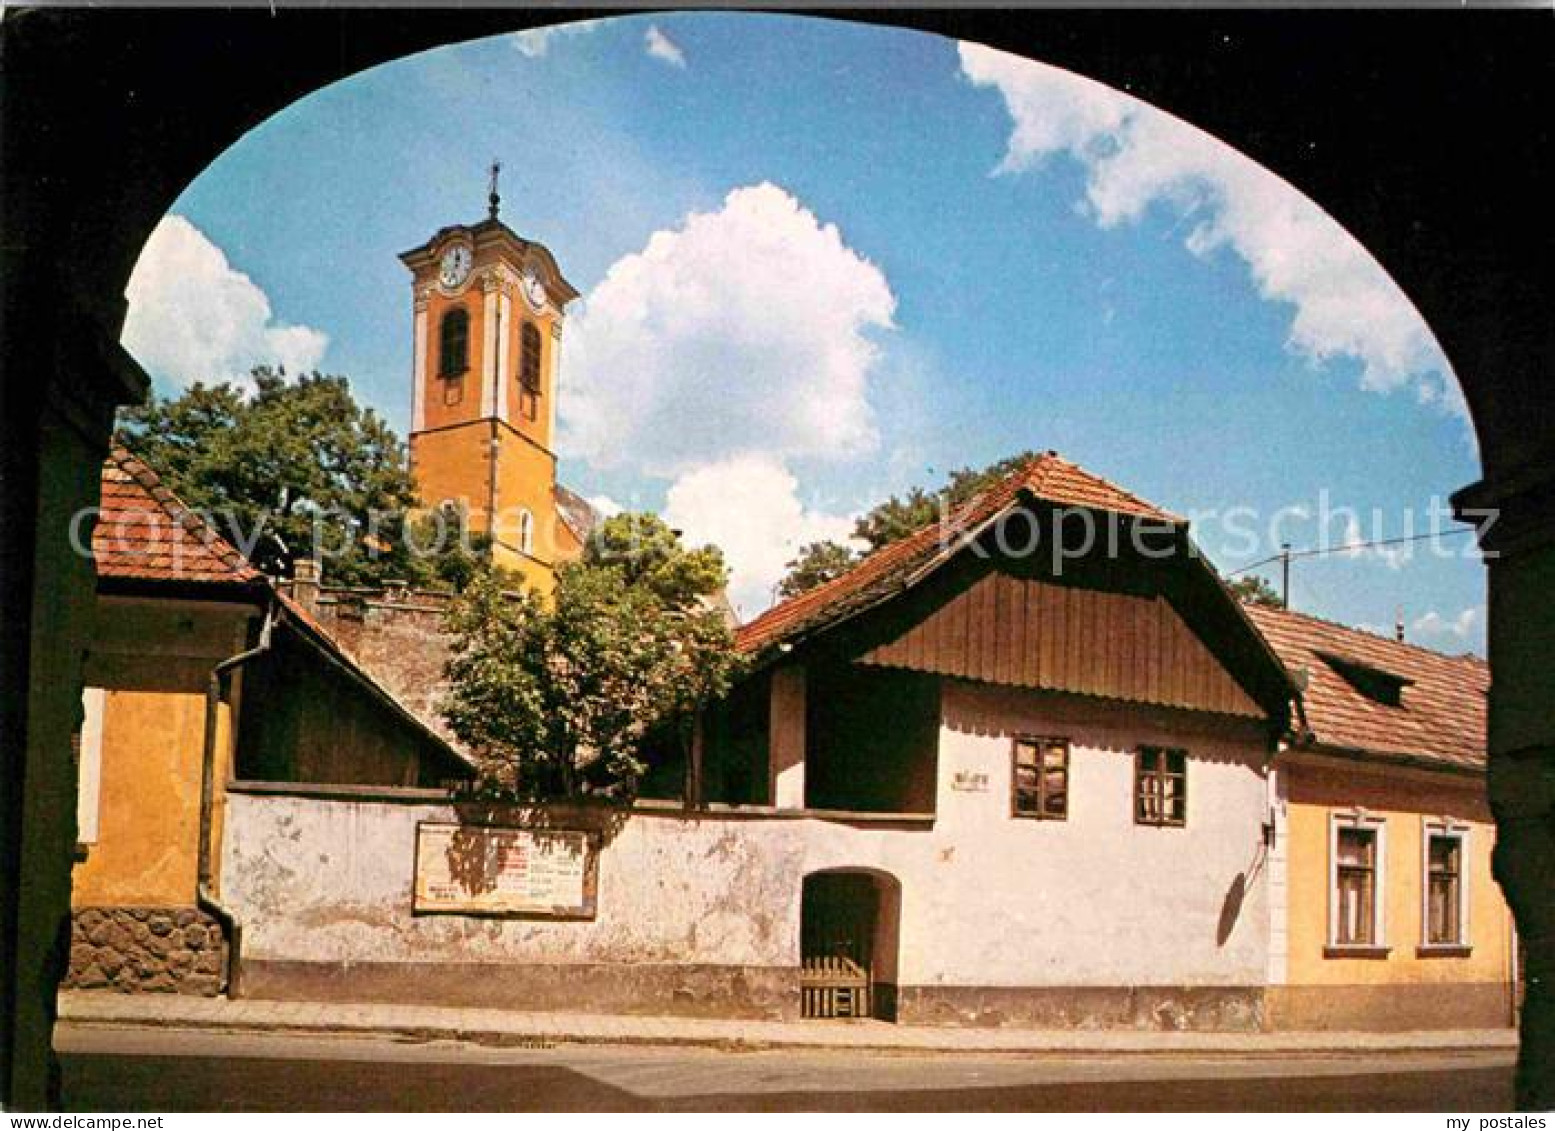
<point>534,289</point>
<point>455,266</point>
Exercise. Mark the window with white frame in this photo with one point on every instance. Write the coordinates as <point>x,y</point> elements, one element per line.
<point>1357,853</point>
<point>1444,884</point>
<point>526,532</point>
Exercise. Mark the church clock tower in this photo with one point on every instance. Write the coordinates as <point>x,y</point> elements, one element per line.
<point>488,308</point>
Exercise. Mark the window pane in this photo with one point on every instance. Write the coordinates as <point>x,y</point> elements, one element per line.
<point>1355,847</point>
<point>1355,906</point>
<point>1025,754</point>
<point>1444,855</point>
<point>1443,906</point>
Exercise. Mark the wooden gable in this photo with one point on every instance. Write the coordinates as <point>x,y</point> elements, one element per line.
<point>1037,634</point>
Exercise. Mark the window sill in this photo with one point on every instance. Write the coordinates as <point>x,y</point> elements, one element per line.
<point>1350,950</point>
<point>1443,950</point>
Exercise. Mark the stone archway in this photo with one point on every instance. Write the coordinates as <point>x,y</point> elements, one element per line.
<point>1389,133</point>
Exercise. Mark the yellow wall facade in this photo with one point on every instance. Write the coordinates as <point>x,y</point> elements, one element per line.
<point>152,659</point>
<point>1403,800</point>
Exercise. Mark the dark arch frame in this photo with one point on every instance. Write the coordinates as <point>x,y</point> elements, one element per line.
<point>1382,118</point>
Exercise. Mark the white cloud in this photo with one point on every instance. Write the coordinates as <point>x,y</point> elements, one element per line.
<point>743,330</point>
<point>749,506</point>
<point>1460,627</point>
<point>1136,156</point>
<point>605,506</point>
<point>663,48</point>
<point>193,317</point>
<point>533,43</point>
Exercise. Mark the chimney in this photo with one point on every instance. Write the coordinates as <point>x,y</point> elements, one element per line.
<point>305,583</point>
<point>1398,624</point>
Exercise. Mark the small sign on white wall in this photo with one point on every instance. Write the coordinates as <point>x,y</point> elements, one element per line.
<point>969,781</point>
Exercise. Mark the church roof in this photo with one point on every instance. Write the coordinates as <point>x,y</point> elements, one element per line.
<point>1048,477</point>
<point>144,532</point>
<point>576,511</point>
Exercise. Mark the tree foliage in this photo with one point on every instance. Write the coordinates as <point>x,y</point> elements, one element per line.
<point>297,467</point>
<point>557,696</point>
<point>1251,589</point>
<point>893,520</point>
<point>816,564</point>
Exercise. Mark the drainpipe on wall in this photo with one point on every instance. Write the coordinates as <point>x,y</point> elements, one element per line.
<point>204,898</point>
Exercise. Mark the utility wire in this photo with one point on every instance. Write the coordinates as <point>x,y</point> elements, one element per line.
<point>1348,548</point>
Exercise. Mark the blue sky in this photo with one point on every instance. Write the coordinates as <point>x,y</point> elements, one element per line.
<point>823,262</point>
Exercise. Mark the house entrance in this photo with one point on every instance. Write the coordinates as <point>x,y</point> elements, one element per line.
<point>848,945</point>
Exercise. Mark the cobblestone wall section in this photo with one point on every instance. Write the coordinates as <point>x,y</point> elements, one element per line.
<point>146,950</point>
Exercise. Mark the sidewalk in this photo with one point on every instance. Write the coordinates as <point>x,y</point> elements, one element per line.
<point>505,1028</point>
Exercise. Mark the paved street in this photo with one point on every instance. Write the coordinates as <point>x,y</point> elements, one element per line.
<point>147,1069</point>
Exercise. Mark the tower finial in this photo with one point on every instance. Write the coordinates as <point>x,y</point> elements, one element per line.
<point>494,201</point>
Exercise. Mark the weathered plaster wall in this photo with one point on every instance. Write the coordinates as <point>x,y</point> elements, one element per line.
<point>986,900</point>
<point>1407,982</point>
<point>1094,899</point>
<point>153,659</point>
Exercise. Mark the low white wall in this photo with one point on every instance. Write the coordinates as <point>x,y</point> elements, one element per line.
<point>986,899</point>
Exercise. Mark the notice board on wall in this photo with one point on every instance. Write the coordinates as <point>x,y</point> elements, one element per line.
<point>492,870</point>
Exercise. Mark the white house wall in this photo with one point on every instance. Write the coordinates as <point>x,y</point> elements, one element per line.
<point>1092,920</point>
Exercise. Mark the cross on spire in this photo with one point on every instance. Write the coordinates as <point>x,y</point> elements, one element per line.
<point>493,200</point>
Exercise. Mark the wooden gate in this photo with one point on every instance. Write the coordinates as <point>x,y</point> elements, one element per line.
<point>833,986</point>
<point>837,931</point>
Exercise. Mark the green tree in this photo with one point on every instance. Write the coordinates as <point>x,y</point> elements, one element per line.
<point>1251,589</point>
<point>559,696</point>
<point>647,553</point>
<point>893,520</point>
<point>816,564</point>
<point>297,466</point>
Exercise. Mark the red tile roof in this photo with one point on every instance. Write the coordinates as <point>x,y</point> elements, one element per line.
<point>1049,477</point>
<point>145,533</point>
<point>1440,718</point>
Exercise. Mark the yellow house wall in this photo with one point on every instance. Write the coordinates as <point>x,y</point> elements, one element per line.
<point>153,660</point>
<point>1402,802</point>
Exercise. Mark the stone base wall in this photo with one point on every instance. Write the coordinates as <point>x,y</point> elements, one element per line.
<point>1237,1009</point>
<point>688,990</point>
<point>146,950</point>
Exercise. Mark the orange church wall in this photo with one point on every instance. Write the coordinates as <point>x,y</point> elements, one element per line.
<point>452,465</point>
<point>454,400</point>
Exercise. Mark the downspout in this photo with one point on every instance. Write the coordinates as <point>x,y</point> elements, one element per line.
<point>204,898</point>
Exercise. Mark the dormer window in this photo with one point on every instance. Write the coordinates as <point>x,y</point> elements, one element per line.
<point>454,343</point>
<point>1375,683</point>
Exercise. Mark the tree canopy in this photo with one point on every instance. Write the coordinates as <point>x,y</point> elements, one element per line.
<point>297,467</point>
<point>559,696</point>
<point>892,520</point>
<point>1251,589</point>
